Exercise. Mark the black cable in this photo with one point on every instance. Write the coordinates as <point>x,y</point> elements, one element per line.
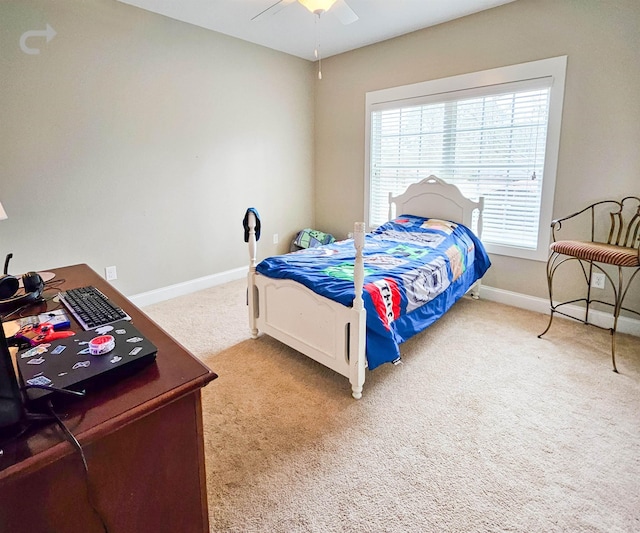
<point>72,439</point>
<point>19,309</point>
<point>55,283</point>
<point>54,389</point>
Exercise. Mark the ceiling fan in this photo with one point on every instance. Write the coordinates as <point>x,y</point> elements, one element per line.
<point>339,8</point>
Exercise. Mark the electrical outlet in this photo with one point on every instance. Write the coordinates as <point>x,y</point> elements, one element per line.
<point>275,238</point>
<point>110,273</point>
<point>597,280</point>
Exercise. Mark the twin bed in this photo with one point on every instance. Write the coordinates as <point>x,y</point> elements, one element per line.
<point>350,304</point>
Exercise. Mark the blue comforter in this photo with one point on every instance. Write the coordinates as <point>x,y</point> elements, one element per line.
<point>415,270</point>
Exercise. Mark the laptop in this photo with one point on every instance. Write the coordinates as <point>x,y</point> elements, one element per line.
<point>84,360</point>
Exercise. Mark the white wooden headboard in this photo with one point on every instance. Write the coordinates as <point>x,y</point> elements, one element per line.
<point>434,198</point>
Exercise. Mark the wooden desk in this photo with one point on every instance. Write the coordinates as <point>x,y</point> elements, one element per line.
<point>142,438</point>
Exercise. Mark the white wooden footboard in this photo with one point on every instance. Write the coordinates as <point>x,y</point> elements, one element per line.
<point>326,331</point>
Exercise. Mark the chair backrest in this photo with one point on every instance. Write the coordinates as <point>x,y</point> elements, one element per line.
<point>625,223</point>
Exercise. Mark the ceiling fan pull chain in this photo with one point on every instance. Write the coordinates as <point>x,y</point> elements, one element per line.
<point>317,52</point>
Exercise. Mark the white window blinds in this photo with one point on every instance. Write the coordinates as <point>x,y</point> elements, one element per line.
<point>489,142</point>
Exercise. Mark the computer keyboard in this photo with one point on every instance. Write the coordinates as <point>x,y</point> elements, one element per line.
<point>91,308</point>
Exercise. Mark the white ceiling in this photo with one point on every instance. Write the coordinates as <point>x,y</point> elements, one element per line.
<point>293,29</point>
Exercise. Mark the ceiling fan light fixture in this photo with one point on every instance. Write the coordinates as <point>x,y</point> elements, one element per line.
<point>317,7</point>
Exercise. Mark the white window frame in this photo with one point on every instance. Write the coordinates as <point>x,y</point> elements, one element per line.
<point>555,68</point>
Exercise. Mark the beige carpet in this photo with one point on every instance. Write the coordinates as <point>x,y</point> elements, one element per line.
<point>484,427</point>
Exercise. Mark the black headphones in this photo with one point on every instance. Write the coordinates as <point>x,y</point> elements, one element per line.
<point>9,299</point>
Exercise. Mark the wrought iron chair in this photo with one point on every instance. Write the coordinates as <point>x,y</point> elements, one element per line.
<point>621,250</point>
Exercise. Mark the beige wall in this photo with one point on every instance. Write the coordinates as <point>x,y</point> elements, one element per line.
<point>138,141</point>
<point>600,141</point>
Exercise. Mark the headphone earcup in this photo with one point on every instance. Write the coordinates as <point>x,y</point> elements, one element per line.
<point>33,283</point>
<point>8,286</point>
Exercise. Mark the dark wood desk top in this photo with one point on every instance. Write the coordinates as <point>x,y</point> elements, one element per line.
<point>175,372</point>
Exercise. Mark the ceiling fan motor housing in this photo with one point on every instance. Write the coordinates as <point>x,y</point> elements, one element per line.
<point>317,7</point>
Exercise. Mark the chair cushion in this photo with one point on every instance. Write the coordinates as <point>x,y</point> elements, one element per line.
<point>597,251</point>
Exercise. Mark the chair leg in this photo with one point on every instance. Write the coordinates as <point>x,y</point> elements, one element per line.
<point>613,345</point>
<point>619,297</point>
<point>549,285</point>
<point>548,325</point>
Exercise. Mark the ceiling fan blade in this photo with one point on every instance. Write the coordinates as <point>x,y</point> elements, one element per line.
<point>345,14</point>
<point>274,8</point>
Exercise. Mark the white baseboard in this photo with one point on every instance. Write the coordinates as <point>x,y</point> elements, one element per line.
<point>541,305</point>
<point>187,287</point>
<point>531,303</point>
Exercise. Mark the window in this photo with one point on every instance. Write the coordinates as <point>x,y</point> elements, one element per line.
<point>493,134</point>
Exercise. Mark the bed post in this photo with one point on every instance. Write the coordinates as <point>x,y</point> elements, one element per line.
<point>357,355</point>
<point>252,294</point>
<point>391,210</point>
<point>475,288</point>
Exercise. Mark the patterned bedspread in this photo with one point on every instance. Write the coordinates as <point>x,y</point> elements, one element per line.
<point>415,270</point>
